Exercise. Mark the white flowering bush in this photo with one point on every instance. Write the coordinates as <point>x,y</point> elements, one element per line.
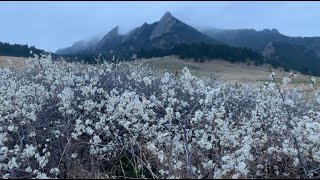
<point>70,120</point>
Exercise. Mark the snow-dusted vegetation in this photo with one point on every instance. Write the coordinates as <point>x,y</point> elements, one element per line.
<point>67,120</point>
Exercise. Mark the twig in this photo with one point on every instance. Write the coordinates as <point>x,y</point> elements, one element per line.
<point>305,169</point>
<point>186,143</point>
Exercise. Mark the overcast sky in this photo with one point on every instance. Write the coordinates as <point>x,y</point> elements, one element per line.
<point>54,25</point>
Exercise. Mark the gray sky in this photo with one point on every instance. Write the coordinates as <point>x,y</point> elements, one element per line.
<point>54,25</point>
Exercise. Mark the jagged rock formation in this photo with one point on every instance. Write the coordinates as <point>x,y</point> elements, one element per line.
<point>165,25</point>
<point>110,41</point>
<point>164,34</point>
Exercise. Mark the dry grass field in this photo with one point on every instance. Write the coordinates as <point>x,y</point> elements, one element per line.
<point>14,62</point>
<point>239,72</point>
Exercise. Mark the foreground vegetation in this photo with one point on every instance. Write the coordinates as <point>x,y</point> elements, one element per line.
<point>69,120</point>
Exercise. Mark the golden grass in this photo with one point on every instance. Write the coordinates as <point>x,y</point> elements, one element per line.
<point>236,72</point>
<point>14,62</point>
<point>239,72</point>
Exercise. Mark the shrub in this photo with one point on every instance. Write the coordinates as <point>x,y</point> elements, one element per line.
<point>70,120</point>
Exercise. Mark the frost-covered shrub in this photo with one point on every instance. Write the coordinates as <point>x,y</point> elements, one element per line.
<point>67,120</point>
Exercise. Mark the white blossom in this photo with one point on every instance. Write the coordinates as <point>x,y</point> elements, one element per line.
<point>11,128</point>
<point>286,80</point>
<point>93,115</point>
<point>54,171</point>
<point>147,81</point>
<point>74,155</point>
<point>29,151</point>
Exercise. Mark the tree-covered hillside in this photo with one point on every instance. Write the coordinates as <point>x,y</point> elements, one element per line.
<point>200,52</point>
<point>18,50</point>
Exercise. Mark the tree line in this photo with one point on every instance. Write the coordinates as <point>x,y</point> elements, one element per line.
<point>198,52</point>
<point>201,52</point>
<point>18,50</point>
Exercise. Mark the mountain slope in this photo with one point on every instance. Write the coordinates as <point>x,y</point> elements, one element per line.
<point>79,47</point>
<point>293,56</point>
<point>258,40</point>
<point>164,34</point>
<point>249,38</point>
<point>170,31</point>
<point>299,53</point>
<point>170,35</point>
<point>109,41</point>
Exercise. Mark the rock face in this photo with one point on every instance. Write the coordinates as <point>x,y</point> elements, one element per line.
<point>268,51</point>
<point>170,31</point>
<point>139,37</point>
<point>164,34</point>
<point>165,25</point>
<point>113,34</point>
<point>110,41</point>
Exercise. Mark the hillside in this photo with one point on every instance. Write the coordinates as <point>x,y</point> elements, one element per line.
<point>80,47</point>
<point>258,40</point>
<point>297,53</point>
<point>18,50</point>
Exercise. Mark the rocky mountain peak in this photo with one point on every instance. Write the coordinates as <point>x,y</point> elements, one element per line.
<point>114,31</point>
<point>272,31</point>
<point>111,34</point>
<point>164,34</point>
<point>165,25</point>
<point>275,31</point>
<point>166,16</point>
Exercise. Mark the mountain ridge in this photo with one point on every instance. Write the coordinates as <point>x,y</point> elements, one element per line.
<point>163,34</point>
<point>170,35</point>
<point>303,53</point>
<point>246,37</point>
